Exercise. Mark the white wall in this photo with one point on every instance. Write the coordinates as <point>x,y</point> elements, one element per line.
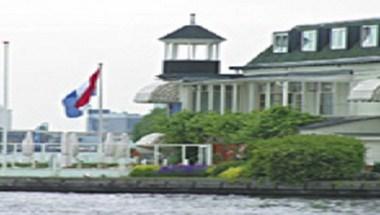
<point>342,107</point>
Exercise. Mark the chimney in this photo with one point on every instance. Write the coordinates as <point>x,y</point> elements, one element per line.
<point>192,19</point>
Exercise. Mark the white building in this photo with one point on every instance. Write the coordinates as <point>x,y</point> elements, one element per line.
<point>329,69</point>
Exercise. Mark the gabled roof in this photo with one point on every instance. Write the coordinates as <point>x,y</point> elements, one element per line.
<point>267,59</point>
<point>192,32</point>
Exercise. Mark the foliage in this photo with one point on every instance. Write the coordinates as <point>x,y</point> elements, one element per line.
<point>150,123</point>
<point>306,157</point>
<point>144,171</point>
<point>168,171</point>
<point>216,170</point>
<point>38,165</point>
<point>177,129</point>
<point>275,122</point>
<point>210,127</point>
<point>232,173</point>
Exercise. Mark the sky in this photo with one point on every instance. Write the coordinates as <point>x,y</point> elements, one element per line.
<point>56,45</point>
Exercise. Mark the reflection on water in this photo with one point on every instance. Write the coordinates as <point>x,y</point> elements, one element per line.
<point>17,203</point>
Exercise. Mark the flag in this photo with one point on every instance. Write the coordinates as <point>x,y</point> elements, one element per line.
<point>77,99</point>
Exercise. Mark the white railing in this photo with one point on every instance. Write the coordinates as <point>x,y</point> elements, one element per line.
<point>46,152</point>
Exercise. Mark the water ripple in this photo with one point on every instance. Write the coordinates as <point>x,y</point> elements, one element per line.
<point>22,203</point>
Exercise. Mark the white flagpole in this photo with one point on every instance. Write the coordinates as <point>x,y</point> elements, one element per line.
<point>5,126</point>
<point>100,125</point>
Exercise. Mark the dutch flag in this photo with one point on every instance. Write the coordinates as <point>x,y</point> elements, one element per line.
<point>77,99</point>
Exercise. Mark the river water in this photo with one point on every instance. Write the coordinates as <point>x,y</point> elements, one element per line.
<point>21,203</point>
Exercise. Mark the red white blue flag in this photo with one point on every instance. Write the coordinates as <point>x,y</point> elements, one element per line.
<point>79,98</point>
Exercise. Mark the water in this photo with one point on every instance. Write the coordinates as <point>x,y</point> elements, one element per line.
<point>17,203</point>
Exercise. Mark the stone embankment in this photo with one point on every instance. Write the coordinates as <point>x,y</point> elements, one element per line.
<point>190,186</point>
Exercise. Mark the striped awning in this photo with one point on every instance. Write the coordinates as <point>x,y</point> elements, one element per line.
<point>159,92</point>
<point>367,91</point>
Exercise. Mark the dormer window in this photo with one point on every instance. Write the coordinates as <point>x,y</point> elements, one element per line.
<point>369,35</point>
<point>309,40</point>
<point>338,38</point>
<point>280,42</point>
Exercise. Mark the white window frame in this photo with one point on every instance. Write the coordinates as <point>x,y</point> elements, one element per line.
<point>374,31</point>
<point>338,38</point>
<point>280,49</point>
<point>314,40</point>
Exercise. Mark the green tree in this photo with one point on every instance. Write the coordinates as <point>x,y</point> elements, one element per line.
<point>153,122</point>
<point>276,122</point>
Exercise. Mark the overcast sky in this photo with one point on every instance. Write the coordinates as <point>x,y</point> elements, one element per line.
<point>56,45</point>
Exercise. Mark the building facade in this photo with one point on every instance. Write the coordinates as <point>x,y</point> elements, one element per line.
<point>112,121</point>
<point>328,69</point>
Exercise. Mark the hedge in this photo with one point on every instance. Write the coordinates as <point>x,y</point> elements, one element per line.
<point>300,158</point>
<point>144,171</point>
<point>216,170</point>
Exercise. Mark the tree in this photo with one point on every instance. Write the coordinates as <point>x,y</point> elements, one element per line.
<point>153,122</point>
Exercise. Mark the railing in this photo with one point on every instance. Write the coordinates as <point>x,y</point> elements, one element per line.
<point>45,152</point>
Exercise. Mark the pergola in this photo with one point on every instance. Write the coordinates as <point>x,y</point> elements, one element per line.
<point>204,152</point>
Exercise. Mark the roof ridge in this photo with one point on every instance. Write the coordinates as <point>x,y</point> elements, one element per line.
<point>192,32</point>
<point>347,22</point>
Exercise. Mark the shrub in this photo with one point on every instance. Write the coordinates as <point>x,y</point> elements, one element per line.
<point>232,173</point>
<point>144,171</point>
<point>306,157</point>
<point>216,170</point>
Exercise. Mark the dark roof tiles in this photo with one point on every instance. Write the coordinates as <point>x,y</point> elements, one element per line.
<point>192,32</point>
<point>354,49</point>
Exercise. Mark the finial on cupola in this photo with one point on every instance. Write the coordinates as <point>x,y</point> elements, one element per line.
<point>192,19</point>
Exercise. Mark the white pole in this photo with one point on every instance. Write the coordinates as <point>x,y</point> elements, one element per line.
<point>5,127</point>
<point>100,125</point>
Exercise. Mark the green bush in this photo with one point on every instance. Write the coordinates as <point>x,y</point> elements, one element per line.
<point>144,171</point>
<point>232,173</point>
<point>306,157</point>
<point>216,170</point>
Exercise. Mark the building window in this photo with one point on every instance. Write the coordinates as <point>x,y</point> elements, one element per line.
<point>309,40</point>
<point>204,98</point>
<point>326,107</point>
<point>261,90</point>
<point>295,95</point>
<point>280,42</point>
<point>338,38</point>
<point>369,35</point>
<point>228,104</point>
<point>276,94</point>
<point>216,104</point>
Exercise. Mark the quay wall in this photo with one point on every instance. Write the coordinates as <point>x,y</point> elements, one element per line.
<point>370,189</point>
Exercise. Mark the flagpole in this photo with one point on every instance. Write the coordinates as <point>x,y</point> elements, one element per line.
<point>100,125</point>
<point>5,126</point>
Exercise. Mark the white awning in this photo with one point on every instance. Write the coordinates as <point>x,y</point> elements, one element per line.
<point>151,139</point>
<point>368,90</point>
<point>159,92</point>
